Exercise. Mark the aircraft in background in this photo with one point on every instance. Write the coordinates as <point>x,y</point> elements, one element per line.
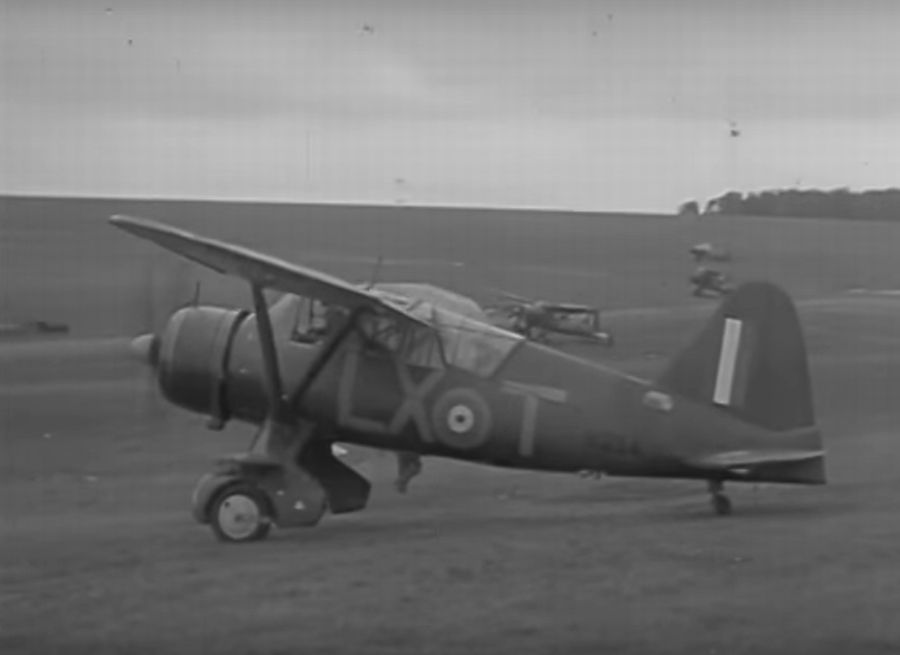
<point>707,280</point>
<point>405,374</point>
<point>710,282</point>
<point>30,328</point>
<point>702,252</point>
<point>538,319</point>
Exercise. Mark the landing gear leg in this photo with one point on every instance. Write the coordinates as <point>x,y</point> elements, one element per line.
<point>409,465</point>
<point>264,486</point>
<point>721,504</point>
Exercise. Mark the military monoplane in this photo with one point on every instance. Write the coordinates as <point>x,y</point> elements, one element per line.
<point>538,319</point>
<point>403,374</point>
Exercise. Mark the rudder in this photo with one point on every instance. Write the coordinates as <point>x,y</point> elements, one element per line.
<point>750,359</point>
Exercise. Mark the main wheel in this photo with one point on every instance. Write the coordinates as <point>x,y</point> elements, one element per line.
<point>240,514</point>
<point>721,504</point>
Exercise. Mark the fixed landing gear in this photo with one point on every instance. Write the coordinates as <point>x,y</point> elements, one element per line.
<point>241,513</point>
<point>248,495</point>
<point>288,479</point>
<point>721,504</point>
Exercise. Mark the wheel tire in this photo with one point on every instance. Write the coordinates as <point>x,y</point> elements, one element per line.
<point>721,505</point>
<point>240,514</point>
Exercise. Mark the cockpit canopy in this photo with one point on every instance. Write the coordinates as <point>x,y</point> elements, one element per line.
<point>452,339</point>
<point>472,345</point>
<point>437,296</point>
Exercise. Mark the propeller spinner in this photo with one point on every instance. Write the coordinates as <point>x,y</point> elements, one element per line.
<point>145,349</point>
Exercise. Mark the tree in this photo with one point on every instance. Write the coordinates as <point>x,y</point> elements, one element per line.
<point>728,203</point>
<point>689,208</point>
<point>873,204</point>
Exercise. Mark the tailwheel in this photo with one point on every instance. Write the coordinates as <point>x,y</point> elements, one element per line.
<point>721,503</point>
<point>241,514</point>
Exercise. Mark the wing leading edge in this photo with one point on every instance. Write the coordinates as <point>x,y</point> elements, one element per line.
<point>257,268</point>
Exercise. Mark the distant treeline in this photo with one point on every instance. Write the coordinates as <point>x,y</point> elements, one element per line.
<point>876,204</point>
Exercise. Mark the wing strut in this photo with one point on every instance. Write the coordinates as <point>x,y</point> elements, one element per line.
<point>272,376</point>
<point>328,350</point>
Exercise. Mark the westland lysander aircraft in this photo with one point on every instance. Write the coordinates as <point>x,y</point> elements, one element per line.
<point>400,374</point>
<point>538,319</point>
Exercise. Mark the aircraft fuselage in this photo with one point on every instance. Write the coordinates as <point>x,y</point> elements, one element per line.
<point>541,410</point>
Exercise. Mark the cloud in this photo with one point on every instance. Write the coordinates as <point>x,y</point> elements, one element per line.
<point>588,104</point>
<point>690,60</point>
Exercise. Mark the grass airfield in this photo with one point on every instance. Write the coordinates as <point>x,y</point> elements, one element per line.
<point>99,553</point>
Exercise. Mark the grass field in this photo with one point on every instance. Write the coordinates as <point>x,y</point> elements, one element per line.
<point>100,555</point>
<point>67,264</point>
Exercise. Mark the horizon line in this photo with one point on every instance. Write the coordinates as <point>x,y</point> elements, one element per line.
<point>333,203</point>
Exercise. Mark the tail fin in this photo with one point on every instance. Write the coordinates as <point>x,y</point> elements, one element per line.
<point>749,359</point>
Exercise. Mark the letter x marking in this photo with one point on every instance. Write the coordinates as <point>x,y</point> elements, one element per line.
<point>413,406</point>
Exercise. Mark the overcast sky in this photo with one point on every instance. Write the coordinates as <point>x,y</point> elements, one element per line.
<point>599,105</point>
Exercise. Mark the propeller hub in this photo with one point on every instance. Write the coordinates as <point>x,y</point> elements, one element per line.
<point>145,349</point>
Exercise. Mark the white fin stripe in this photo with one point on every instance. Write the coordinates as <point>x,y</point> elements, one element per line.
<point>731,339</point>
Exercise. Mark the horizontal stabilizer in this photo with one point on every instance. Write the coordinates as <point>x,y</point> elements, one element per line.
<point>752,458</point>
<point>795,456</point>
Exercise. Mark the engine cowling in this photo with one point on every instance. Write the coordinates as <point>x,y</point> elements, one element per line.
<point>191,358</point>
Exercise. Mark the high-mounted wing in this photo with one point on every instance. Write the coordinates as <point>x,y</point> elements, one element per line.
<point>261,270</point>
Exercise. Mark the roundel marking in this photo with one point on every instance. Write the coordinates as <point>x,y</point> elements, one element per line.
<point>461,419</point>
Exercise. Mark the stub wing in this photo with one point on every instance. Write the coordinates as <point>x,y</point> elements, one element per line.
<point>257,268</point>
